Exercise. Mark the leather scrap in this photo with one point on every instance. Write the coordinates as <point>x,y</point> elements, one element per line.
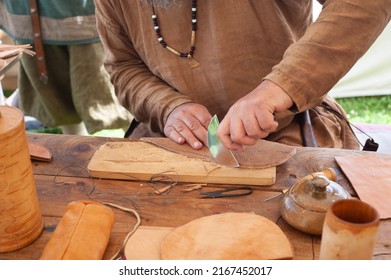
<point>263,154</point>
<point>227,236</point>
<point>371,178</point>
<point>39,152</point>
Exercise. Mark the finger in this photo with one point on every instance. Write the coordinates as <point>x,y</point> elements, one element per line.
<point>198,129</point>
<point>247,132</point>
<point>183,130</point>
<point>267,122</point>
<point>229,144</point>
<point>171,133</point>
<point>223,133</point>
<point>239,135</point>
<point>204,119</point>
<point>252,131</point>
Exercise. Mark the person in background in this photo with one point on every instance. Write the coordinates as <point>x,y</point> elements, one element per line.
<point>259,65</point>
<point>65,84</point>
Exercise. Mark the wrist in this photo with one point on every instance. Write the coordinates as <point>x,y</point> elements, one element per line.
<point>281,99</point>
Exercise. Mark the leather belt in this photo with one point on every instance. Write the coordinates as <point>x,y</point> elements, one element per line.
<point>38,45</point>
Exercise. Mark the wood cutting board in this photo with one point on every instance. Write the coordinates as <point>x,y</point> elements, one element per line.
<point>216,237</point>
<point>141,160</point>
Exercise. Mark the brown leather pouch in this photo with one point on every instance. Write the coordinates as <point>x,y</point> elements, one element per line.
<point>82,234</point>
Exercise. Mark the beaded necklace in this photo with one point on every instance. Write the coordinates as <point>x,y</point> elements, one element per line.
<point>188,55</point>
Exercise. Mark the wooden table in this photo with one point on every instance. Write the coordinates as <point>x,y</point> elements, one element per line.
<point>66,179</point>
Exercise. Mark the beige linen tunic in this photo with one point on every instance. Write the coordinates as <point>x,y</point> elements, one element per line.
<point>238,44</point>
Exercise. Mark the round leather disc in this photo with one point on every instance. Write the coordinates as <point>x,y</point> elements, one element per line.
<point>227,236</point>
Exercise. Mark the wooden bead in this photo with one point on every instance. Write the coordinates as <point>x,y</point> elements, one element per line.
<point>188,54</point>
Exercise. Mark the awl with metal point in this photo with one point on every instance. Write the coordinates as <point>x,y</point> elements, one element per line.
<point>221,154</point>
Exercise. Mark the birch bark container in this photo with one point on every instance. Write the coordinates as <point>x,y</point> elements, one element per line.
<point>349,231</point>
<point>20,218</point>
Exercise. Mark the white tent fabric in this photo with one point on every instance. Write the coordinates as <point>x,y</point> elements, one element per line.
<point>2,98</point>
<point>371,75</point>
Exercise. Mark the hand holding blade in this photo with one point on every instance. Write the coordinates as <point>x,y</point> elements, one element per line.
<point>217,149</point>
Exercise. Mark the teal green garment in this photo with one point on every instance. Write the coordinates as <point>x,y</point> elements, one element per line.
<point>52,8</point>
<point>63,22</point>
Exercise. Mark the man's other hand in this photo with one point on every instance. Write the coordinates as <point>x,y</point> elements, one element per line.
<point>188,123</point>
<point>252,116</point>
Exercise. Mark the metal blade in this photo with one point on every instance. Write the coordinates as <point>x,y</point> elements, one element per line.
<point>217,149</point>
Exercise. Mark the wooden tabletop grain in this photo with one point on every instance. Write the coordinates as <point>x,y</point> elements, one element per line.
<point>66,179</point>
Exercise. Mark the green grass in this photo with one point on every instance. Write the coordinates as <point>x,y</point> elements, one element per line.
<point>117,133</point>
<point>7,92</point>
<point>369,110</point>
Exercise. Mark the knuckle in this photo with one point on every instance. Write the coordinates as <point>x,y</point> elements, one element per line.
<point>205,123</point>
<point>264,135</point>
<point>236,138</point>
<point>248,141</point>
<point>269,127</point>
<point>254,135</point>
<point>193,125</point>
<point>168,130</point>
<point>180,127</point>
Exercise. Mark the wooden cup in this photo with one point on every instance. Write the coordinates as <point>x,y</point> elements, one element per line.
<point>20,217</point>
<point>349,231</point>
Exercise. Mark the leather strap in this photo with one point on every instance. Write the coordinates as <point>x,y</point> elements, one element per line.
<point>307,133</point>
<point>37,36</point>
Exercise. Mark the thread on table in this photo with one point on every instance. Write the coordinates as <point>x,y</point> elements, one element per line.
<point>156,179</point>
<point>121,250</point>
<point>80,167</point>
<point>159,178</point>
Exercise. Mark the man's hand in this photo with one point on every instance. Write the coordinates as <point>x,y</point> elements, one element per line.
<point>188,123</point>
<point>252,116</point>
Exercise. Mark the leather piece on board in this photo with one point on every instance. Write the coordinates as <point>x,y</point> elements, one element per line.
<point>39,152</point>
<point>227,236</point>
<point>263,154</point>
<point>371,178</point>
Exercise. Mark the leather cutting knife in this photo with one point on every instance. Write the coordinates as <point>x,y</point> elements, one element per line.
<point>221,154</point>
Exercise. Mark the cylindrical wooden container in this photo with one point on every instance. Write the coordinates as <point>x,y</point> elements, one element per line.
<point>349,231</point>
<point>20,216</point>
